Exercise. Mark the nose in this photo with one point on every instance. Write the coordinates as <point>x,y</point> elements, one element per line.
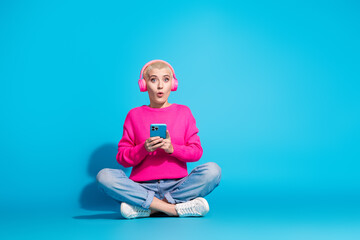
<point>160,85</point>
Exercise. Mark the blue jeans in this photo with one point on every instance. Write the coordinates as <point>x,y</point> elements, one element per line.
<point>202,180</point>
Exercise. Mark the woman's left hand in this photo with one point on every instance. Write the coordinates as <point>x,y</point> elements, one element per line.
<point>167,146</point>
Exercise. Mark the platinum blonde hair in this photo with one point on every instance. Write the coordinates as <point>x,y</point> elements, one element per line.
<point>158,65</point>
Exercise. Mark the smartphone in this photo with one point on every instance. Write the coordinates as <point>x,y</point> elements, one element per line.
<point>158,129</point>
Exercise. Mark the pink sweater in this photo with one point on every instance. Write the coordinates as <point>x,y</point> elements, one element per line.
<point>159,164</point>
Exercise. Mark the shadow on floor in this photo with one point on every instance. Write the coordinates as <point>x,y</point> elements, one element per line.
<point>92,197</point>
<point>110,216</point>
<point>113,216</point>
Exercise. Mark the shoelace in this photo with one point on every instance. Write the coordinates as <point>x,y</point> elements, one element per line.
<point>140,210</point>
<point>189,208</point>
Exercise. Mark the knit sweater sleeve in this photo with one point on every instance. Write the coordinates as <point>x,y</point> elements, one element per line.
<point>129,154</point>
<point>191,151</point>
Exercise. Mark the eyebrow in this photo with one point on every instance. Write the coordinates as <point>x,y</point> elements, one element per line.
<point>163,75</point>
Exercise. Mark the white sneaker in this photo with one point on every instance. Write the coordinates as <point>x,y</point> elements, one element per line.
<point>129,211</point>
<point>195,208</point>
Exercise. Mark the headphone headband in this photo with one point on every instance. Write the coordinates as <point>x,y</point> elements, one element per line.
<point>156,60</point>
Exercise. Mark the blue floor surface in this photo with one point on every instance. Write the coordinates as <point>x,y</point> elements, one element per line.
<point>250,221</point>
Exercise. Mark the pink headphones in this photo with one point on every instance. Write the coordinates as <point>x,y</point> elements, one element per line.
<point>142,82</point>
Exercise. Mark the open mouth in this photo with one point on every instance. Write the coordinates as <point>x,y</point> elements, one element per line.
<point>160,94</point>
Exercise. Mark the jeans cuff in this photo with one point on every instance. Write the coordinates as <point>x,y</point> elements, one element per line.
<point>169,198</point>
<point>148,200</point>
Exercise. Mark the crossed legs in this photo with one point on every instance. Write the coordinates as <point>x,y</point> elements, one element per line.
<point>199,183</point>
<point>164,206</point>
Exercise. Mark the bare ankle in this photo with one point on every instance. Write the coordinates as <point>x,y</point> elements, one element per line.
<point>153,211</point>
<point>163,206</point>
<point>172,211</point>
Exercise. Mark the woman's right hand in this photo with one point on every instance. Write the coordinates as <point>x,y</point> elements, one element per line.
<point>152,143</point>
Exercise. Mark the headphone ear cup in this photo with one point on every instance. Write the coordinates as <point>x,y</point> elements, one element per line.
<point>142,85</point>
<point>174,84</point>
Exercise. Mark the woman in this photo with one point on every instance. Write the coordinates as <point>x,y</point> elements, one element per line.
<point>159,181</point>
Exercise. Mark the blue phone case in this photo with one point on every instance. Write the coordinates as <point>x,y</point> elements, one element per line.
<point>158,129</point>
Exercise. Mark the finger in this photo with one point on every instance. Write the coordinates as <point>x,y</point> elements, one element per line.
<point>167,134</point>
<point>156,141</point>
<point>158,145</point>
<point>154,138</point>
<point>164,146</point>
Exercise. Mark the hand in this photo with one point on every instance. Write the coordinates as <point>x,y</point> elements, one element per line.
<point>167,146</point>
<point>152,143</point>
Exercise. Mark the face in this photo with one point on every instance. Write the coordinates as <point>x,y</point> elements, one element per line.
<point>159,80</point>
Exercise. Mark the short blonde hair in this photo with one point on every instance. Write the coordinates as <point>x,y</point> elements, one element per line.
<point>158,65</point>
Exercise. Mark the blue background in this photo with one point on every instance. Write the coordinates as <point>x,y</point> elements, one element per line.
<point>273,85</point>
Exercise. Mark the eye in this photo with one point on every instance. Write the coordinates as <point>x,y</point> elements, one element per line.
<point>166,79</point>
<point>152,79</point>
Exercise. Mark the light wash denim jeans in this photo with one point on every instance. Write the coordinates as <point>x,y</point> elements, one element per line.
<point>202,180</point>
